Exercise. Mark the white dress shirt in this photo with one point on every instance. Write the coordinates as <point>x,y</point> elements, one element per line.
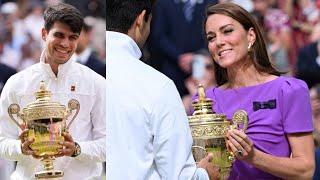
<point>83,57</point>
<point>88,129</point>
<point>148,135</point>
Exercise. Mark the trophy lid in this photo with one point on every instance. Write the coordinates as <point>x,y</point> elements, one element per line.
<point>43,107</point>
<point>203,112</point>
<point>202,105</point>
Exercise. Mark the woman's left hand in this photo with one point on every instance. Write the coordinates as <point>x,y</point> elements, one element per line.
<point>240,144</point>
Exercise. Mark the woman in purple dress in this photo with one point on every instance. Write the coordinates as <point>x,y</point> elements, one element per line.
<point>278,142</point>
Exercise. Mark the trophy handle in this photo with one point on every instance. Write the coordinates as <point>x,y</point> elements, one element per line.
<point>195,155</point>
<point>200,147</point>
<point>240,117</point>
<point>73,104</point>
<point>15,109</point>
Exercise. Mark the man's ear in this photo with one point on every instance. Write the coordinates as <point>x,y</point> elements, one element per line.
<point>44,34</point>
<point>140,21</point>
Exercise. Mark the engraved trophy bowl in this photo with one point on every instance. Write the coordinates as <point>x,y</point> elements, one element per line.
<point>45,121</point>
<point>209,130</point>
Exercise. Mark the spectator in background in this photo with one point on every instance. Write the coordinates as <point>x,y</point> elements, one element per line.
<point>5,71</point>
<point>303,16</point>
<point>316,175</point>
<point>95,8</point>
<point>98,36</point>
<point>278,54</point>
<point>315,104</point>
<point>12,43</point>
<point>176,34</point>
<point>30,53</point>
<point>315,35</point>
<point>246,4</point>
<point>34,20</point>
<point>84,53</point>
<point>202,73</point>
<point>308,64</point>
<point>278,30</point>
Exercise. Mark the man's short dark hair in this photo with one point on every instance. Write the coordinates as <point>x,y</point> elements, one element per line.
<point>64,13</point>
<point>122,13</point>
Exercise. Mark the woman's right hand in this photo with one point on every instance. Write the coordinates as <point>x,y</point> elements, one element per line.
<point>240,144</point>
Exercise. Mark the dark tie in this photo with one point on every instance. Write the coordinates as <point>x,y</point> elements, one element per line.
<point>188,10</point>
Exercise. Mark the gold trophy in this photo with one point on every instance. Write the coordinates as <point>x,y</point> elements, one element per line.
<point>209,130</point>
<point>46,121</point>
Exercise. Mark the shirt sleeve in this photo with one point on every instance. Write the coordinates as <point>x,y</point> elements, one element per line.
<point>10,145</point>
<point>172,137</point>
<point>95,150</point>
<point>296,107</point>
<point>200,174</point>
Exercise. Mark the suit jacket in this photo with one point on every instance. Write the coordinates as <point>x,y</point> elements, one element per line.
<point>172,35</point>
<point>5,73</point>
<point>96,64</point>
<point>307,67</point>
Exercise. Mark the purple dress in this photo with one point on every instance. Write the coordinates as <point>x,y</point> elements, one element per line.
<point>275,108</point>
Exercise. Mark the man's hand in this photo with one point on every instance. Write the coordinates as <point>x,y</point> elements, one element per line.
<point>68,146</point>
<point>212,170</point>
<point>25,144</point>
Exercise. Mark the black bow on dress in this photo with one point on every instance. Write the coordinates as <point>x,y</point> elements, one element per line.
<point>271,104</point>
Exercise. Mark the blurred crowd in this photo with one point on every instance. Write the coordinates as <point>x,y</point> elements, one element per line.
<point>21,43</point>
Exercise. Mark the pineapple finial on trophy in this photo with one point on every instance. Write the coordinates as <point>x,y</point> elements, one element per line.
<point>43,94</point>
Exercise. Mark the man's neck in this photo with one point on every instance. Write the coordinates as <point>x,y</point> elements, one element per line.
<point>54,66</point>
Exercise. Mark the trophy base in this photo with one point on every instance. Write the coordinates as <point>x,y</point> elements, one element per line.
<point>48,174</point>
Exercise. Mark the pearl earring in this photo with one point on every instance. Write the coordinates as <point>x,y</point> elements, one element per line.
<point>249,48</point>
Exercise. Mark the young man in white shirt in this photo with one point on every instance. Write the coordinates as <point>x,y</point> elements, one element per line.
<point>84,147</point>
<point>148,132</point>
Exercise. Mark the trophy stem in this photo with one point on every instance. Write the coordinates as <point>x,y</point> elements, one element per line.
<point>48,171</point>
<point>47,163</point>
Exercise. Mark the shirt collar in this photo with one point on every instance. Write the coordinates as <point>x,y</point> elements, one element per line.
<point>124,43</point>
<point>62,68</point>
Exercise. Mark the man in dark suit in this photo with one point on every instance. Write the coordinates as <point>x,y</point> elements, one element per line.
<point>5,73</point>
<point>84,53</point>
<point>308,64</point>
<point>176,34</point>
